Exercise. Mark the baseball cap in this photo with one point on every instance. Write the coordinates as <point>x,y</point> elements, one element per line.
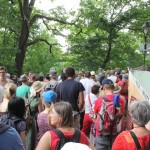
<point>92,73</point>
<point>107,81</point>
<point>125,76</point>
<point>49,96</point>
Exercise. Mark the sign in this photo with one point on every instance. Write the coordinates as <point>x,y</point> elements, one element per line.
<point>142,47</point>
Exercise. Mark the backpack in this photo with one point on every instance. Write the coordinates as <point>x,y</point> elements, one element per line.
<point>51,86</point>
<point>64,140</point>
<point>28,117</point>
<point>10,121</point>
<point>110,118</point>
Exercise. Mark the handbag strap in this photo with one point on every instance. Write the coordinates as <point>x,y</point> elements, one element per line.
<point>89,100</point>
<point>138,146</point>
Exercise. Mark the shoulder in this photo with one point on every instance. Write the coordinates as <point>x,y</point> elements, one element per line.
<point>99,100</point>
<point>98,104</point>
<point>122,139</point>
<point>45,141</point>
<point>13,138</point>
<point>21,125</point>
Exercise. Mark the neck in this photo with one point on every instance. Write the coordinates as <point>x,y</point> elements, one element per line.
<point>66,129</point>
<point>69,78</point>
<point>108,92</point>
<point>137,126</point>
<point>46,109</point>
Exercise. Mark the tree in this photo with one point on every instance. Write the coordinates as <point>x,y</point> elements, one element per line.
<point>101,38</point>
<point>24,23</point>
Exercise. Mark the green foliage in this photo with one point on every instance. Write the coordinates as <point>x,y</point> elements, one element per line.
<point>108,34</point>
<point>40,58</point>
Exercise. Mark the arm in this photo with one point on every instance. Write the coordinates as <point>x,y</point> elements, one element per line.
<point>81,100</point>
<point>91,145</point>
<point>58,92</point>
<point>40,109</point>
<point>22,135</point>
<point>45,142</point>
<point>57,97</point>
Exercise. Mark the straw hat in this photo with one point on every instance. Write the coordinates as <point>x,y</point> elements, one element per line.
<point>117,88</point>
<point>37,86</point>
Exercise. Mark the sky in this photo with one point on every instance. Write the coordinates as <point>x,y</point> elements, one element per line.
<point>46,5</point>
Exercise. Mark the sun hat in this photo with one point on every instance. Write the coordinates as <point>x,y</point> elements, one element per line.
<point>37,86</point>
<point>92,73</point>
<point>49,96</point>
<point>117,88</point>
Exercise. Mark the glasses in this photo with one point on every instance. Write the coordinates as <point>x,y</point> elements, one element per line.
<point>2,72</point>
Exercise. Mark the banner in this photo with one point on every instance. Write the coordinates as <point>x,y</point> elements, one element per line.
<point>139,85</point>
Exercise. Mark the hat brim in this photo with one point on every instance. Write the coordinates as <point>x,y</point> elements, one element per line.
<point>42,87</point>
<point>118,90</point>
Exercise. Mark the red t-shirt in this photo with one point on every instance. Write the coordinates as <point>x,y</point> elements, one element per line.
<point>124,141</point>
<point>55,139</point>
<point>98,105</point>
<point>124,88</point>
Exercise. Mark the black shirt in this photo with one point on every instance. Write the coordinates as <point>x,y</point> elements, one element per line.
<point>69,91</point>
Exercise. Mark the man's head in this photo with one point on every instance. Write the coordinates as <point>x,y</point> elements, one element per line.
<point>100,70</point>
<point>23,78</point>
<point>87,74</point>
<point>93,75</point>
<point>125,76</point>
<point>70,72</point>
<point>53,75</point>
<point>108,84</point>
<point>3,72</point>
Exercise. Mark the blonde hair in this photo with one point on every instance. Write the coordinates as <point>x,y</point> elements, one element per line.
<point>9,90</point>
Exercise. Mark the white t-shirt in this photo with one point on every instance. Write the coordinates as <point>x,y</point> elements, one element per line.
<point>87,83</point>
<point>88,107</point>
<point>113,78</point>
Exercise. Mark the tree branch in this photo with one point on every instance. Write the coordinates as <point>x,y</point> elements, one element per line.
<point>45,41</point>
<point>38,16</point>
<point>55,31</point>
<point>12,30</point>
<point>32,2</point>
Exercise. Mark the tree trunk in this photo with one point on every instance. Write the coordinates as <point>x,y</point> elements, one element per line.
<point>20,56</point>
<point>107,58</point>
<point>24,34</point>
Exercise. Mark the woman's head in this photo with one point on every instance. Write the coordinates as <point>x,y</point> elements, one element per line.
<point>140,112</point>
<point>16,107</point>
<point>61,115</point>
<point>9,90</point>
<point>49,97</point>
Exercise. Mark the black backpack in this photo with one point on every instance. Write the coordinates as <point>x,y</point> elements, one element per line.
<point>13,121</point>
<point>64,140</point>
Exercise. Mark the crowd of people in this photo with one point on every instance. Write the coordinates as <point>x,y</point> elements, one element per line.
<point>60,111</point>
